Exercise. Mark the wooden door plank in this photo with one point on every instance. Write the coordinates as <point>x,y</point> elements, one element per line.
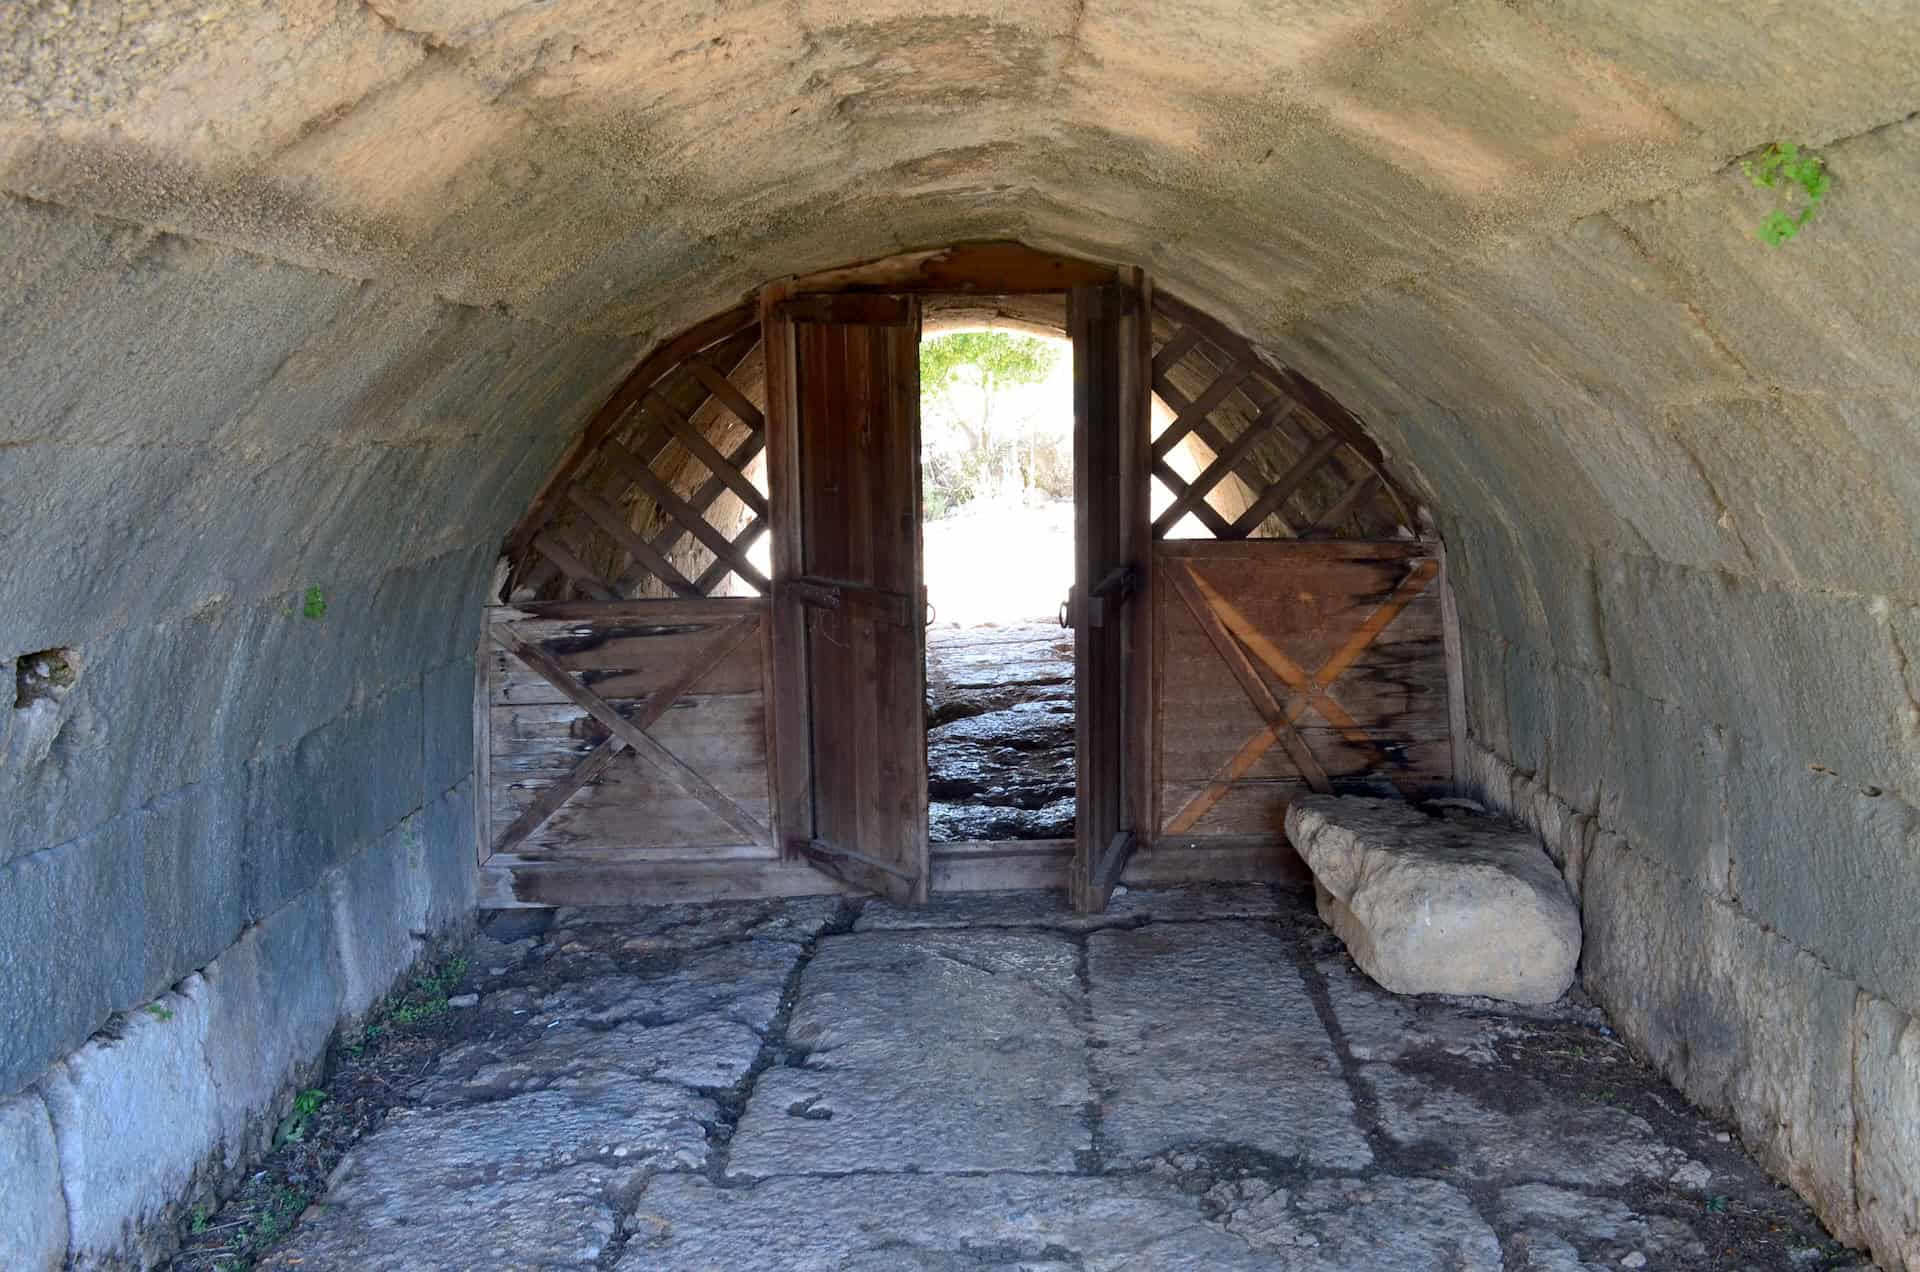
<point>1308,692</point>
<point>676,771</point>
<point>644,717</point>
<point>849,309</point>
<point>1136,484</point>
<point>1187,585</point>
<point>1312,692</point>
<point>855,393</point>
<point>1110,450</point>
<point>789,689</point>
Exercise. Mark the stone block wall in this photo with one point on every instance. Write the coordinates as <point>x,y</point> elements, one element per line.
<point>247,814</point>
<point>1680,488</point>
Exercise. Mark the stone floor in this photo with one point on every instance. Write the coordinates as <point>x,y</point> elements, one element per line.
<point>1197,1079</point>
<point>1000,732</point>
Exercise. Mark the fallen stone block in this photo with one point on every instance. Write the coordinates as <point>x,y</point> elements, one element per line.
<point>1461,905</point>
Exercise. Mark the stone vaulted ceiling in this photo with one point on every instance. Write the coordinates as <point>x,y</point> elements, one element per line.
<point>611,166</point>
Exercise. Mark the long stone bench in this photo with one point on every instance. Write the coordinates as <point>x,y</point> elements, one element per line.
<point>1462,904</point>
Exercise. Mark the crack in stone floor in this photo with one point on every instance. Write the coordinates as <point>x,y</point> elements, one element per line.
<point>1197,1079</point>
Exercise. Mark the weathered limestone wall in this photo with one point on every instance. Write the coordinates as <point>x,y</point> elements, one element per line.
<point>1679,477</point>
<point>240,824</point>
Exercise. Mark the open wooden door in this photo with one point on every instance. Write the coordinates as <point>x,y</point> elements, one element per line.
<point>1110,609</point>
<point>849,637</point>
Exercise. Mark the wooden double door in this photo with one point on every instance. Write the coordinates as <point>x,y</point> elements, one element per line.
<point>700,746</point>
<point>849,602</point>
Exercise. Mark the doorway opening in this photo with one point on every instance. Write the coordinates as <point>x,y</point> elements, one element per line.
<point>998,525</point>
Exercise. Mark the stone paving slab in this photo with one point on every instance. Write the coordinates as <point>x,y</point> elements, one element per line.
<point>1381,1224</point>
<point>1201,902</point>
<point>1129,907</point>
<point>566,1219</point>
<point>697,1017</point>
<point>928,1051</point>
<point>741,982</point>
<point>642,928</point>
<point>1560,1229</point>
<point>919,1223</point>
<point>979,909</point>
<point>537,1180</point>
<point>1379,1025</point>
<point>1515,1129</point>
<point>705,1052</point>
<point>1206,1034</point>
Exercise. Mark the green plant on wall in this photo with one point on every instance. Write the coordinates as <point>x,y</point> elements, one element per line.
<point>316,603</point>
<point>1784,166</point>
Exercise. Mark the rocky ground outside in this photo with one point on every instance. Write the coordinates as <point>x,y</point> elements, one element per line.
<point>1000,732</point>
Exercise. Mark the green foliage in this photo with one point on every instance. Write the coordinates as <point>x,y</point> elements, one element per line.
<point>158,1012</point>
<point>294,1126</point>
<point>201,1217</point>
<point>1784,166</point>
<point>993,360</point>
<point>424,1000</point>
<point>970,450</point>
<point>283,1209</point>
<point>316,604</point>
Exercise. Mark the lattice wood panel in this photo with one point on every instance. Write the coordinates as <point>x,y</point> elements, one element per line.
<point>662,496</point>
<point>1267,454</point>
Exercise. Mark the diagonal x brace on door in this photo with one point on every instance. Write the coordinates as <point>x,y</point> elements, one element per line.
<point>1206,611</point>
<point>630,732</point>
<point>1310,693</point>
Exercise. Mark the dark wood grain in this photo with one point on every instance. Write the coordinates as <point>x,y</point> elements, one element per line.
<point>1111,406</point>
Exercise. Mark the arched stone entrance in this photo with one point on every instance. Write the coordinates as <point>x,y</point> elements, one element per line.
<point>660,712</point>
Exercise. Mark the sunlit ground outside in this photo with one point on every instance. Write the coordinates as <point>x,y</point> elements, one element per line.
<point>997,475</point>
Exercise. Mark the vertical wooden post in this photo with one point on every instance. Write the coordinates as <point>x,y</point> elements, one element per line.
<point>790,693</point>
<point>1136,484</point>
<point>1111,538</point>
